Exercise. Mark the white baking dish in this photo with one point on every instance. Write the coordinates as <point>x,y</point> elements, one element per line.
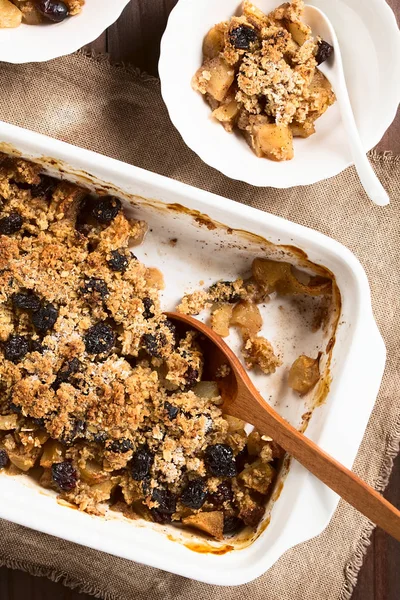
<point>206,252</point>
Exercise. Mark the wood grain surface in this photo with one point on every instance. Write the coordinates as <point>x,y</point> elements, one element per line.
<point>135,39</point>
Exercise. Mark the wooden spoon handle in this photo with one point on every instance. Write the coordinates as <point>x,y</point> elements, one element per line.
<point>340,479</point>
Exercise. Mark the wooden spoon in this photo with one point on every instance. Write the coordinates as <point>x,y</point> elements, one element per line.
<point>242,400</point>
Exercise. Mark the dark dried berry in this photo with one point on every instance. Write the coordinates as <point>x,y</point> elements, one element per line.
<point>148,306</point>
<point>172,410</point>
<point>166,501</point>
<point>324,52</point>
<point>106,209</point>
<point>64,475</point>
<point>45,188</point>
<point>45,318</point>
<point>194,495</point>
<point>28,301</point>
<point>54,10</point>
<point>11,224</point>
<point>118,261</point>
<point>3,459</point>
<point>68,369</point>
<point>232,525</point>
<point>16,347</point>
<point>223,291</point>
<point>95,286</point>
<point>151,344</point>
<point>220,460</point>
<point>120,446</point>
<point>223,494</point>
<point>99,338</point>
<point>141,463</point>
<point>191,377</point>
<point>241,459</point>
<point>242,37</point>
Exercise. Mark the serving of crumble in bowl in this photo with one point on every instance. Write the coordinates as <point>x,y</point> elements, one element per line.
<point>40,30</point>
<point>242,85</point>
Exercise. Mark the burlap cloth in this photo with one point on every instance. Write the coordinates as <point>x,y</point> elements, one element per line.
<point>117,112</point>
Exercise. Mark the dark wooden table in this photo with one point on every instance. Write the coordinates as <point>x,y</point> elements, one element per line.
<point>135,39</point>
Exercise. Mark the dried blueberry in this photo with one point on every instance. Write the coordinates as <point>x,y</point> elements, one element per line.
<point>118,261</point>
<point>148,306</point>
<point>106,209</point>
<point>141,463</point>
<point>191,377</point>
<point>220,460</point>
<point>99,338</point>
<point>28,301</point>
<point>96,287</point>
<point>222,494</point>
<point>223,291</point>
<point>166,501</point>
<point>54,10</point>
<point>11,224</point>
<point>242,37</point>
<point>68,369</point>
<point>232,525</point>
<point>120,446</point>
<point>324,52</point>
<point>16,347</point>
<point>64,475</point>
<point>150,344</point>
<point>45,318</point>
<point>3,459</point>
<point>194,495</point>
<point>172,410</point>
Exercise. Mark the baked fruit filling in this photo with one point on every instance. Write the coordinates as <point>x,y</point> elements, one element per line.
<point>260,77</point>
<point>101,398</point>
<point>36,12</point>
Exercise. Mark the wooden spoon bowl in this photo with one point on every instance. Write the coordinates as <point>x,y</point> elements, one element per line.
<point>242,400</point>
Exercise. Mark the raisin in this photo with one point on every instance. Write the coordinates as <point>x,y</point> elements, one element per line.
<point>194,495</point>
<point>242,37</point>
<point>191,376</point>
<point>120,446</point>
<point>223,494</point>
<point>11,224</point>
<point>54,10</point>
<point>324,52</point>
<point>220,460</point>
<point>95,286</point>
<point>223,291</point>
<point>106,209</point>
<point>28,301</point>
<point>16,347</point>
<point>172,410</point>
<point>68,368</point>
<point>118,261</point>
<point>99,338</point>
<point>141,463</point>
<point>3,459</point>
<point>45,318</point>
<point>151,345</point>
<point>232,525</point>
<point>166,501</point>
<point>64,475</point>
<point>148,305</point>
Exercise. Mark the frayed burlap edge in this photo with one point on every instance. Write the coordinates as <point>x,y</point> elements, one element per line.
<point>354,565</point>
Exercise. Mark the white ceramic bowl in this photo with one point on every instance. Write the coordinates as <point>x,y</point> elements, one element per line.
<point>38,43</point>
<point>305,505</point>
<point>370,44</point>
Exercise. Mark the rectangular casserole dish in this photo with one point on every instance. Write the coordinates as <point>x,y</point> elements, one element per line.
<point>217,239</point>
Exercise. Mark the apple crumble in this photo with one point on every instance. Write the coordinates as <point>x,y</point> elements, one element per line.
<point>35,12</point>
<point>260,77</point>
